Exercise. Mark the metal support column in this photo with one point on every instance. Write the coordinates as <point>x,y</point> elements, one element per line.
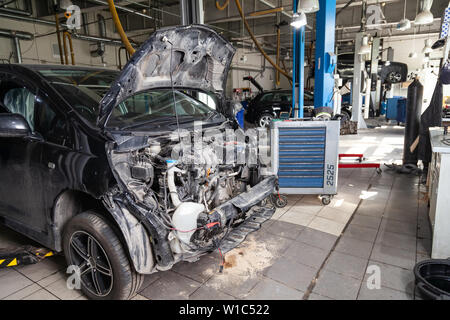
<point>325,56</point>
<point>192,12</point>
<point>374,87</point>
<point>298,68</point>
<point>357,83</point>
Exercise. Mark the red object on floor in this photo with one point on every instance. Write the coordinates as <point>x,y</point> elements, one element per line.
<point>359,157</point>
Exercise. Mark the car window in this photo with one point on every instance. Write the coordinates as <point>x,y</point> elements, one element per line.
<point>51,124</point>
<point>17,98</point>
<point>267,97</point>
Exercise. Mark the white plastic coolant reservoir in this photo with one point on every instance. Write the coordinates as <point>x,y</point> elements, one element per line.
<point>185,219</point>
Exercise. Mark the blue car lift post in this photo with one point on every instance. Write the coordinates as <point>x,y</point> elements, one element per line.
<point>325,59</point>
<point>305,153</point>
<point>325,56</point>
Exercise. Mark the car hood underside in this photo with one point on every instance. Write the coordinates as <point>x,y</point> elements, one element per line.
<point>180,57</point>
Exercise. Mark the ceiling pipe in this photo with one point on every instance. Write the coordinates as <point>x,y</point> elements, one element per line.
<point>16,36</point>
<point>124,9</point>
<point>116,42</point>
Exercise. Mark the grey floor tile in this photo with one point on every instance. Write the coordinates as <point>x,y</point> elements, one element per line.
<point>424,246</point>
<point>383,294</point>
<point>268,289</point>
<point>209,293</point>
<point>396,240</point>
<point>402,215</point>
<point>275,244</point>
<point>291,273</point>
<point>408,228</point>
<point>354,247</point>
<point>236,285</point>
<point>149,279</point>
<point>307,255</point>
<point>336,286</point>
<point>361,233</point>
<point>393,277</point>
<point>371,208</point>
<point>394,256</point>
<point>12,282</point>
<point>315,296</point>
<point>284,229</point>
<point>421,257</point>
<point>317,238</point>
<point>41,295</point>
<point>60,289</point>
<point>366,221</point>
<point>200,270</point>
<point>345,264</point>
<point>38,271</point>
<point>423,229</point>
<point>23,293</point>
<point>170,286</point>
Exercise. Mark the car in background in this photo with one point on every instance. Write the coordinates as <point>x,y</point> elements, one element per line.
<point>269,105</point>
<point>388,71</point>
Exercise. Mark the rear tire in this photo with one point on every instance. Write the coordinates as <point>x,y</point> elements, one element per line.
<point>264,120</point>
<point>91,243</point>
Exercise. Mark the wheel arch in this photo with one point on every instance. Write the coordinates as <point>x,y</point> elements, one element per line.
<point>131,233</point>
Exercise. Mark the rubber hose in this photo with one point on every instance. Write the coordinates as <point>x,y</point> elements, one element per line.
<point>218,6</point>
<point>123,36</point>
<point>238,5</point>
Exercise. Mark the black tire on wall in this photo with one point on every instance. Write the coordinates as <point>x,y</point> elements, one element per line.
<point>91,243</point>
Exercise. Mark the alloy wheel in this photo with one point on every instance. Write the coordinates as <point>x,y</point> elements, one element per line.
<point>95,269</point>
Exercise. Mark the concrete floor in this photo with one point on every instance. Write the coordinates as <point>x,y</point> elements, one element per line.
<point>306,251</point>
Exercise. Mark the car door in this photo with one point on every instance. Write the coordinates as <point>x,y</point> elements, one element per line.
<point>21,189</point>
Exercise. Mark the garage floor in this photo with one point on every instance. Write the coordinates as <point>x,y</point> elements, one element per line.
<point>307,251</point>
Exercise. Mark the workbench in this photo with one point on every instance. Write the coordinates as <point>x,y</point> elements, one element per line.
<point>439,194</point>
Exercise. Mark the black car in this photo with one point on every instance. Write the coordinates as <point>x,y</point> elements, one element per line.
<point>94,163</point>
<point>388,71</point>
<point>268,105</point>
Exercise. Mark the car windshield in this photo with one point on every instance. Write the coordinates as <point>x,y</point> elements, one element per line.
<point>84,88</point>
<point>156,106</point>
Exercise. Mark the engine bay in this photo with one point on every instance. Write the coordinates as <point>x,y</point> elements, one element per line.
<point>198,194</point>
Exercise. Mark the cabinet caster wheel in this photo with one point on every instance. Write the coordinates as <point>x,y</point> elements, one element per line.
<point>280,201</point>
<point>325,200</point>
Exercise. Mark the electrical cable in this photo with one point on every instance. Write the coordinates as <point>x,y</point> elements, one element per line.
<point>247,26</point>
<point>222,7</point>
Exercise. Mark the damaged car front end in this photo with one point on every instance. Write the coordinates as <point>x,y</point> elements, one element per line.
<point>181,191</point>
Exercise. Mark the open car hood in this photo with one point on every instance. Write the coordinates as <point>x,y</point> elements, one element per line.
<point>197,56</point>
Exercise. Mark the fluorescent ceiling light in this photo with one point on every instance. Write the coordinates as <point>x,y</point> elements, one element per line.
<point>298,20</point>
<point>403,25</point>
<point>425,16</point>
<point>308,6</point>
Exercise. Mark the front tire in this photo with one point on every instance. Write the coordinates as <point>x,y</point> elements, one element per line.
<point>91,244</point>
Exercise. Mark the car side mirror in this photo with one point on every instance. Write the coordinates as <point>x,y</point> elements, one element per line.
<point>13,125</point>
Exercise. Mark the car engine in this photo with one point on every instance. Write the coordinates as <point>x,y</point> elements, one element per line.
<point>189,189</point>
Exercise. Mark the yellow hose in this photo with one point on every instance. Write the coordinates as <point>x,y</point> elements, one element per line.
<point>119,28</point>
<point>238,5</point>
<point>218,6</point>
